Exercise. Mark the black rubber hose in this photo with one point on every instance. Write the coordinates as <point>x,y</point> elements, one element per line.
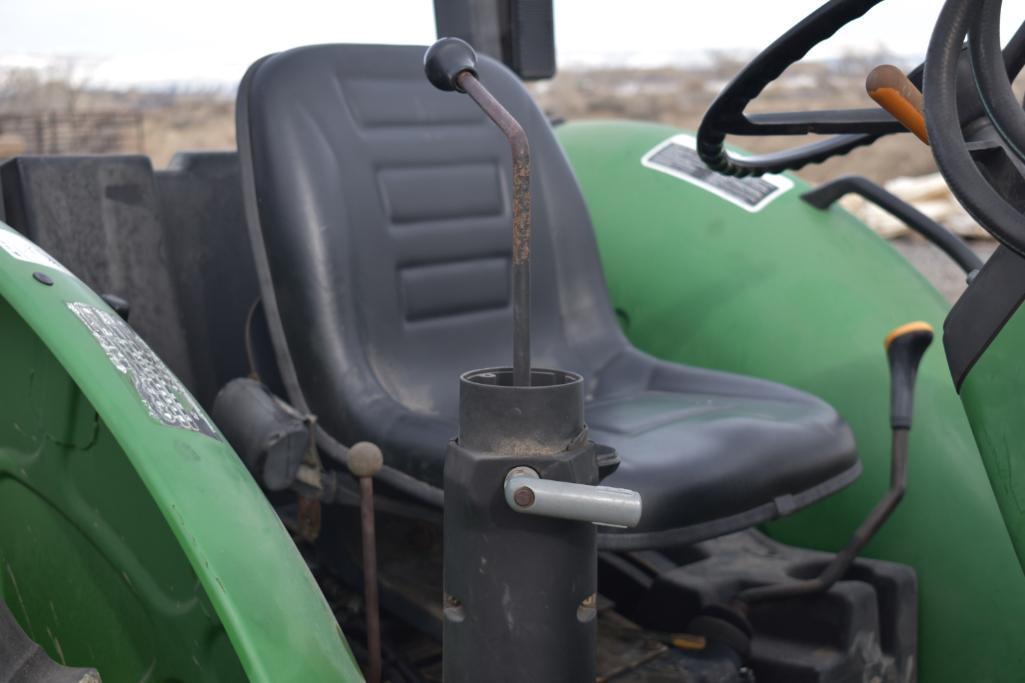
<point>955,162</point>
<point>825,195</point>
<point>991,76</point>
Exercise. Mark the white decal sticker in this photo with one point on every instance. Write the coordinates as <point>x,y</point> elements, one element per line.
<point>678,157</point>
<point>24,250</point>
<point>165,397</point>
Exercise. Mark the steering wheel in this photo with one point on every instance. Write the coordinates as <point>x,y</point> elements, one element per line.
<point>998,211</point>
<point>851,127</point>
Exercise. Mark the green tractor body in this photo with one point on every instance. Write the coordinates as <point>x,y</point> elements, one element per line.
<point>134,539</point>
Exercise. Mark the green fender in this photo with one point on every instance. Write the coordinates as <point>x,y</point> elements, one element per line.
<point>992,395</point>
<point>805,297</point>
<point>142,549</point>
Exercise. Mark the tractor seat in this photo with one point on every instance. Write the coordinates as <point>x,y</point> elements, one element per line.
<point>379,212</point>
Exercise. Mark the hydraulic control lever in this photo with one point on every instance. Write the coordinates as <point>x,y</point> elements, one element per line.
<point>451,64</point>
<point>905,347</point>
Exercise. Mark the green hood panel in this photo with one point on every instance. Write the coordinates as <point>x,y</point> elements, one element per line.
<point>805,297</point>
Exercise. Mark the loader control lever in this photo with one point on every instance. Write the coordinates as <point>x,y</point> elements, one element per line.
<point>905,347</point>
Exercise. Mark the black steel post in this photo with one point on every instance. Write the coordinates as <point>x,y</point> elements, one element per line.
<point>519,589</point>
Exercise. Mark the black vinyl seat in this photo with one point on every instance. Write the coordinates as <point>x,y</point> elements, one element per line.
<point>379,212</point>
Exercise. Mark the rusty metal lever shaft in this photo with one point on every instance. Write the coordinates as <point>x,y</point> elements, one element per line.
<point>514,132</point>
<point>364,461</point>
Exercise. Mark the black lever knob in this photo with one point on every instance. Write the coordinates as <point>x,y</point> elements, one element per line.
<point>446,59</point>
<point>904,349</point>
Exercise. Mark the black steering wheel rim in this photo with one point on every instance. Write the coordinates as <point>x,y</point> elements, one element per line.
<point>975,193</point>
<point>990,70</point>
<point>726,114</point>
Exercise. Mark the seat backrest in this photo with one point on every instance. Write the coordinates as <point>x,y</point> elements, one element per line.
<point>380,214</point>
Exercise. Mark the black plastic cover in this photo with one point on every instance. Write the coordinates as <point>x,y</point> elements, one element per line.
<point>100,217</point>
<point>211,263</point>
<point>172,244</point>
<point>991,299</point>
<point>269,437</point>
<point>521,33</point>
<point>864,628</point>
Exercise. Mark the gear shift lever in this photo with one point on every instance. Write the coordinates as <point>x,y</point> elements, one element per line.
<point>521,494</point>
<point>451,64</point>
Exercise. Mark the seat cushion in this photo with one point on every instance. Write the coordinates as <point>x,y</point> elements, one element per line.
<point>714,452</point>
<point>710,452</point>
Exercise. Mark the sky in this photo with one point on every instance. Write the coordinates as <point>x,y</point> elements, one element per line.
<point>198,42</point>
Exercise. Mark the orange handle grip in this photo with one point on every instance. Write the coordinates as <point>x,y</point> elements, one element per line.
<point>891,89</point>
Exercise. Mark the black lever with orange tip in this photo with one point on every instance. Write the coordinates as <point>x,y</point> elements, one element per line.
<point>904,349</point>
<point>894,92</point>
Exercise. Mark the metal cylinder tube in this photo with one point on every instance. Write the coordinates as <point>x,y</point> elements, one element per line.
<point>519,589</point>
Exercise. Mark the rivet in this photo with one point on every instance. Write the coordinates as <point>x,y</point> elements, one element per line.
<point>524,496</point>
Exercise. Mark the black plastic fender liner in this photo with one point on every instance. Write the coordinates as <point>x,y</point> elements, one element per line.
<point>23,661</point>
<point>982,311</point>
